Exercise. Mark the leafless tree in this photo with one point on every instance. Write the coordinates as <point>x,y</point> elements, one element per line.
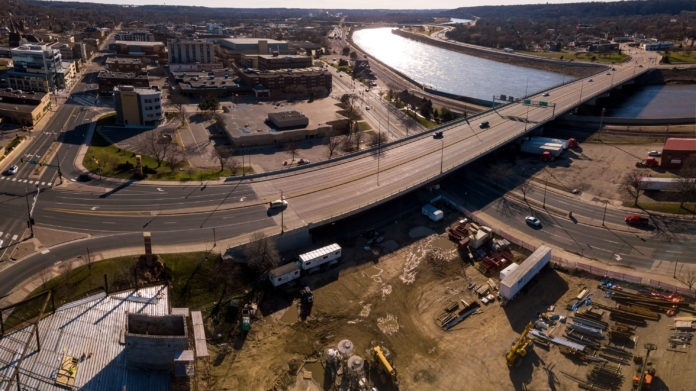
<point>331,144</point>
<point>233,165</point>
<point>157,145</point>
<point>379,138</point>
<point>357,136</point>
<point>174,158</point>
<point>223,155</point>
<point>292,151</point>
<point>631,185</point>
<point>687,182</point>
<point>525,187</point>
<point>261,253</point>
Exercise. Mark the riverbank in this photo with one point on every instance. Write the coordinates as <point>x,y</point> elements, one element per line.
<point>575,69</point>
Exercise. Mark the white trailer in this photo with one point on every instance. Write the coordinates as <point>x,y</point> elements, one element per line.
<point>284,274</point>
<point>538,148</point>
<point>315,258</point>
<point>543,140</point>
<point>432,212</point>
<point>513,282</point>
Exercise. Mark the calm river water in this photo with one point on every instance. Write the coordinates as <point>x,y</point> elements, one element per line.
<point>476,77</point>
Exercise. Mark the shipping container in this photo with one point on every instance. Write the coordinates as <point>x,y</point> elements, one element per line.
<point>284,274</point>
<point>320,256</point>
<point>511,285</point>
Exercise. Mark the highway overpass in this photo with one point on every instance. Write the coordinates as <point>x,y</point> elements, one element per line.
<point>328,191</point>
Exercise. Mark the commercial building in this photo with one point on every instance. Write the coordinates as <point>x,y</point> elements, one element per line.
<point>108,80</point>
<point>138,106</point>
<point>284,83</point>
<point>139,36</point>
<point>124,64</point>
<point>36,68</point>
<point>191,51</point>
<point>241,46</point>
<point>154,52</point>
<point>267,62</point>
<point>23,108</point>
<point>653,46</point>
<point>677,150</point>
<point>288,120</point>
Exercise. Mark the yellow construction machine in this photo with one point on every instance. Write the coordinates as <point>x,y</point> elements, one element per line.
<point>519,347</point>
<point>383,362</point>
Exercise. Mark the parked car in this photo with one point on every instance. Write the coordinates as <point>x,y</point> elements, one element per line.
<point>12,170</point>
<point>638,221</point>
<point>533,221</point>
<point>654,153</point>
<point>302,162</point>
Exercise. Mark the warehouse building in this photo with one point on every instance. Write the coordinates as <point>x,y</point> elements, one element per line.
<point>676,151</point>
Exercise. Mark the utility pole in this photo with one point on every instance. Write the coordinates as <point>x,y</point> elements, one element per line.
<point>546,183</point>
<point>605,211</point>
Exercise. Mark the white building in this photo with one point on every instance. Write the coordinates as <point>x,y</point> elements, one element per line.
<point>138,106</point>
<point>191,51</point>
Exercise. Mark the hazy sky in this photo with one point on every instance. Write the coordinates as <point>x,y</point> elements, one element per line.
<point>333,4</point>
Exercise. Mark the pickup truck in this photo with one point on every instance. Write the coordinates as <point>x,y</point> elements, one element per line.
<point>638,221</point>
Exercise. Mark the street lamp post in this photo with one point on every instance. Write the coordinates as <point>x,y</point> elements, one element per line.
<point>546,183</point>
<point>442,153</point>
<point>601,120</point>
<point>605,211</point>
<point>582,85</point>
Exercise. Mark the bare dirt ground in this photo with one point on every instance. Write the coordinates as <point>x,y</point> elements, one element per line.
<point>394,299</point>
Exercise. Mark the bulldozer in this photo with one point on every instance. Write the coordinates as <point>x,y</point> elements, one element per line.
<point>519,347</point>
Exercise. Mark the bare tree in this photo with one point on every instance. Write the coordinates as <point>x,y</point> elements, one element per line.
<point>157,145</point>
<point>233,165</point>
<point>174,158</point>
<point>331,144</point>
<point>292,150</point>
<point>378,138</point>
<point>222,155</point>
<point>687,182</point>
<point>525,187</point>
<point>261,253</point>
<point>631,185</point>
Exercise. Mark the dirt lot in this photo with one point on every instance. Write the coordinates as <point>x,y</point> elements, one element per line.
<point>393,300</point>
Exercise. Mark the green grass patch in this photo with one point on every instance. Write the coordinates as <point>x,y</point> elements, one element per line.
<point>193,285</point>
<point>106,159</point>
<point>681,57</point>
<point>689,208</point>
<point>423,121</point>
<point>604,58</point>
<point>363,126</point>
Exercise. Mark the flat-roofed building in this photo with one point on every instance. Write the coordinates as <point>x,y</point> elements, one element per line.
<point>241,46</point>
<point>108,80</point>
<point>138,106</point>
<point>23,108</point>
<point>36,68</point>
<point>677,150</point>
<point>286,61</point>
<point>124,64</point>
<point>154,51</point>
<point>283,83</point>
<point>191,51</point>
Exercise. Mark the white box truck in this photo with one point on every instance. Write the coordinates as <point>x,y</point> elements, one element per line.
<point>315,258</point>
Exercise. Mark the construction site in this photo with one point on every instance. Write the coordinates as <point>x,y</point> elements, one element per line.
<point>439,314</point>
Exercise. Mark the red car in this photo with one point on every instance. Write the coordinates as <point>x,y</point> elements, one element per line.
<point>637,220</point>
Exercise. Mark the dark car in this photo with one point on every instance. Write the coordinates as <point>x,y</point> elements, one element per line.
<point>638,221</point>
<point>484,125</point>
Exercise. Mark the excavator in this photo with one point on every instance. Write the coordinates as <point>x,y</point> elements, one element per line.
<point>380,356</point>
<point>519,347</point>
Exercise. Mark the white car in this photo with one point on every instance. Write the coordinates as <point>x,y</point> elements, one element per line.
<point>12,170</point>
<point>654,153</point>
<point>533,221</point>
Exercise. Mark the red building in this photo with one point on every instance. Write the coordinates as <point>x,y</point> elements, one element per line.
<point>677,150</point>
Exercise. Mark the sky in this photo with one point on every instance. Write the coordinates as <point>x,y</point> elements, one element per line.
<point>335,4</point>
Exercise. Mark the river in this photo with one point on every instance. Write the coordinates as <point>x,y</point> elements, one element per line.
<point>475,77</point>
<point>453,72</point>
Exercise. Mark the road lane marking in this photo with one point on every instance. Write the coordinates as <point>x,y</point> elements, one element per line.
<point>14,237</point>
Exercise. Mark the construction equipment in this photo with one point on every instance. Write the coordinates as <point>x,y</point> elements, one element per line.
<point>381,356</point>
<point>643,378</point>
<point>519,347</point>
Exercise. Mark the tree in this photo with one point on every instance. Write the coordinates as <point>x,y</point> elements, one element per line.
<point>631,185</point>
<point>331,144</point>
<point>292,151</point>
<point>209,104</point>
<point>687,182</point>
<point>174,158</point>
<point>379,138</point>
<point>157,145</point>
<point>261,253</point>
<point>222,155</point>
<point>357,136</point>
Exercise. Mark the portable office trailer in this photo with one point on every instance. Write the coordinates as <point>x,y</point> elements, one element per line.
<point>513,282</point>
<point>284,274</point>
<point>320,256</point>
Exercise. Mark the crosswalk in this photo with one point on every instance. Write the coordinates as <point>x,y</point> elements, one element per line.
<point>83,100</point>
<point>27,181</point>
<point>13,238</point>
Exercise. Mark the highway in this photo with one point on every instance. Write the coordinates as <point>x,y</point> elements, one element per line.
<point>317,193</point>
